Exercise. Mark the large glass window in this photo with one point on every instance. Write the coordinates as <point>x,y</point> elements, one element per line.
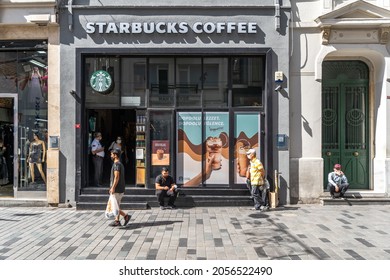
<point>215,82</point>
<point>161,82</point>
<point>188,82</point>
<point>25,75</point>
<point>246,136</point>
<point>183,82</point>
<point>247,80</point>
<point>202,161</point>
<point>102,82</point>
<point>133,79</point>
<point>161,142</point>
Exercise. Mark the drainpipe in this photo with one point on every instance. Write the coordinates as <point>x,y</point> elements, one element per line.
<point>70,15</point>
<point>277,15</point>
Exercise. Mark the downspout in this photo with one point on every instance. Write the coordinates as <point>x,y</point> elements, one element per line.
<point>277,15</point>
<point>70,15</point>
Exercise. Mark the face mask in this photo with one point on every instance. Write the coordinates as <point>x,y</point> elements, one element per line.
<point>119,141</point>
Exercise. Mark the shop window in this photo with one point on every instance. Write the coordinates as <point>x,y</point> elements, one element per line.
<point>246,136</point>
<point>10,77</point>
<point>133,81</point>
<point>203,160</point>
<point>160,128</point>
<point>247,81</point>
<point>102,82</point>
<point>25,75</point>
<point>161,82</point>
<point>215,82</point>
<point>188,82</point>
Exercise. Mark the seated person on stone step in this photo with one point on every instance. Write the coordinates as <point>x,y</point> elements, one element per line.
<point>337,182</point>
<point>166,187</point>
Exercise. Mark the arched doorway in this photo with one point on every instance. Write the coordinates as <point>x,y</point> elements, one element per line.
<point>345,122</point>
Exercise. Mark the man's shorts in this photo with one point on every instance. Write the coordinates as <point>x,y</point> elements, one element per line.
<point>118,197</point>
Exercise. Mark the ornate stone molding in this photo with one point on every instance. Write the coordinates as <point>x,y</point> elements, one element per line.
<point>358,22</point>
<point>384,35</point>
<point>325,35</point>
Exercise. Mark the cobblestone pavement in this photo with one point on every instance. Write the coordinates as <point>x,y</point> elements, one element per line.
<point>302,232</point>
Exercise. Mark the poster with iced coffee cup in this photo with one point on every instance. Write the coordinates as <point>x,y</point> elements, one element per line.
<point>246,136</point>
<point>189,147</point>
<point>160,152</point>
<point>215,146</point>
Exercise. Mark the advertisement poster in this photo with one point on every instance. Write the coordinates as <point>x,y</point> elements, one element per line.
<point>190,146</point>
<point>160,152</point>
<point>246,136</point>
<point>216,147</point>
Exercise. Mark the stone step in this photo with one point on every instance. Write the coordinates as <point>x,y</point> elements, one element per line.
<point>188,203</point>
<point>356,198</point>
<point>141,198</point>
<point>189,191</point>
<point>102,206</point>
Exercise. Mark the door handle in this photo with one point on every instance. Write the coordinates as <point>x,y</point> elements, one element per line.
<point>355,154</point>
<point>328,153</point>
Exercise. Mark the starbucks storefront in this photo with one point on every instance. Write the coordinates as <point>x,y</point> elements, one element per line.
<point>191,93</point>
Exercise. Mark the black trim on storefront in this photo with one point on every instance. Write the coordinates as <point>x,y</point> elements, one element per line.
<point>266,131</point>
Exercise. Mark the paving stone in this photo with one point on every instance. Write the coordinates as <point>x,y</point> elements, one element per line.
<point>292,233</point>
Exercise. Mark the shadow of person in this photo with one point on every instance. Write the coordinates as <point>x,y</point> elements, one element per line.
<point>132,226</point>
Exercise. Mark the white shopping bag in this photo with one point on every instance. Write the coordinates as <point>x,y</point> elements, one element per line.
<point>112,209</point>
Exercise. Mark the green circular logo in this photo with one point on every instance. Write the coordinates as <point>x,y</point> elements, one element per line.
<point>101,82</point>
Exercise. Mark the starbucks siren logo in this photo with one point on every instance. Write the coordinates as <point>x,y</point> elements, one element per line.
<point>101,82</point>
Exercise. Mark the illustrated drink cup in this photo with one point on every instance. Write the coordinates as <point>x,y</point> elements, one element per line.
<point>160,154</point>
<point>214,148</point>
<point>243,161</point>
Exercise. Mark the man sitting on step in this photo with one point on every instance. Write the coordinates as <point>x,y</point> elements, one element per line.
<point>166,187</point>
<point>337,182</point>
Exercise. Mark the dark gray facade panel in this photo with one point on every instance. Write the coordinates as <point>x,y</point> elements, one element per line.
<point>179,33</point>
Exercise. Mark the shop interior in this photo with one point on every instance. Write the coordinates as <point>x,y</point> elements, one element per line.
<point>6,147</point>
<point>113,124</point>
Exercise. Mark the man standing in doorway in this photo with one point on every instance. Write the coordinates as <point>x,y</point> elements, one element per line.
<point>97,158</point>
<point>117,186</point>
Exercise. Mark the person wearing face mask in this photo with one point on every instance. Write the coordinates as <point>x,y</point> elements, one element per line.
<point>97,158</point>
<point>118,144</point>
<point>257,177</point>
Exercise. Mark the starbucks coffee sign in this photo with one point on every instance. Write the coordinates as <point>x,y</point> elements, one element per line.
<point>101,82</point>
<point>171,27</point>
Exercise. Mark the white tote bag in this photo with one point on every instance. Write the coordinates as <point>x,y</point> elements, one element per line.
<point>112,209</point>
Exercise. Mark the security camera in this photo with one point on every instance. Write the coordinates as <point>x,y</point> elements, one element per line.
<point>279,87</point>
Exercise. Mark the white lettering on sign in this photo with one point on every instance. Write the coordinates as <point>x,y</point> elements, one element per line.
<point>170,27</point>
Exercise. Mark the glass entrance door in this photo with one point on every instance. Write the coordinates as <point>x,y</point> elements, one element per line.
<point>8,145</point>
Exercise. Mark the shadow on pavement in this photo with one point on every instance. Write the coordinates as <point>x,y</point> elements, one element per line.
<point>132,226</point>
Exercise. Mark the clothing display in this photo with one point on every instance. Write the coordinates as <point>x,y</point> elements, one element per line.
<point>35,91</point>
<point>36,153</point>
<point>3,167</point>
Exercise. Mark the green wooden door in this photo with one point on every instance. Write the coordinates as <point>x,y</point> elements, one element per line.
<point>345,120</point>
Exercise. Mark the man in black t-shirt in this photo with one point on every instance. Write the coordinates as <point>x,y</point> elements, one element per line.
<point>165,187</point>
<point>117,186</point>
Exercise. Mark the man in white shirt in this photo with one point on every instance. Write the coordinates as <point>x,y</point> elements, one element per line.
<point>97,158</point>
